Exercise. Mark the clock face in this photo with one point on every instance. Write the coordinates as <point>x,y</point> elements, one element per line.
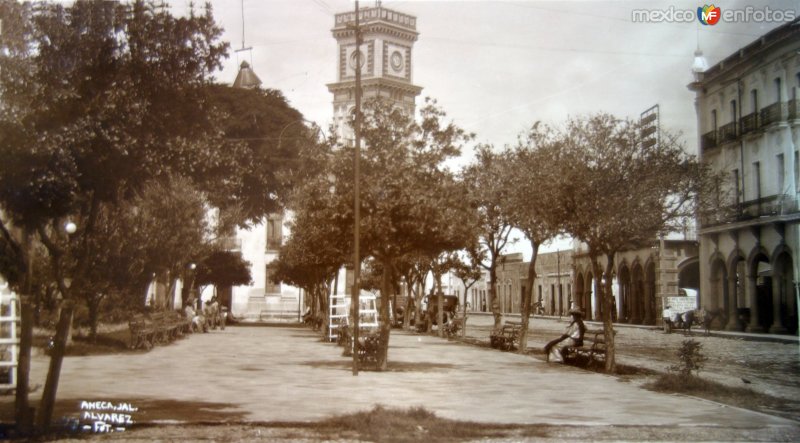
<point>397,61</point>
<point>356,59</point>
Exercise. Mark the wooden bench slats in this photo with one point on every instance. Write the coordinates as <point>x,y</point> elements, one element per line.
<point>594,346</point>
<point>506,337</point>
<point>159,327</point>
<point>456,324</point>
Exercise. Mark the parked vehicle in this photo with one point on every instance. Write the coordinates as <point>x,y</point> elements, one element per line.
<point>430,312</point>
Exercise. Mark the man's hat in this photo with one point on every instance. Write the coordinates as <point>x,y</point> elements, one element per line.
<point>575,310</point>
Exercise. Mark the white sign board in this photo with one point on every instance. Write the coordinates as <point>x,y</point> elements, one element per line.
<point>679,304</point>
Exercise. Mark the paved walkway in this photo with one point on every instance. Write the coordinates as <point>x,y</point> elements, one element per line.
<point>287,374</point>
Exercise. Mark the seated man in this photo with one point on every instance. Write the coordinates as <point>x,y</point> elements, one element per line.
<point>211,312</point>
<point>572,337</point>
<point>198,321</point>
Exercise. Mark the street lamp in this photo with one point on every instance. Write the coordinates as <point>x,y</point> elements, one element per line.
<point>356,190</point>
<point>70,227</point>
<point>192,268</point>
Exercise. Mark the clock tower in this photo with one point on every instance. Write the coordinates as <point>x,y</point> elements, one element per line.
<point>385,58</point>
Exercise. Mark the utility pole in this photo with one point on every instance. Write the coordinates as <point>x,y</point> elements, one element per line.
<point>558,282</point>
<point>357,201</point>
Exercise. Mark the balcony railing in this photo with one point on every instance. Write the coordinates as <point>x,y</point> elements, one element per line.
<point>773,205</point>
<point>767,206</point>
<point>727,132</point>
<point>749,123</point>
<point>773,113</point>
<point>708,140</point>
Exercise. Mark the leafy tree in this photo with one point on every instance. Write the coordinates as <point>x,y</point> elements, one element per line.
<point>12,258</point>
<point>155,233</point>
<point>484,180</point>
<point>533,182</point>
<point>620,193</point>
<point>409,201</point>
<point>263,138</point>
<point>223,268</point>
<point>414,269</point>
<point>100,99</point>
<point>318,244</point>
<point>467,268</point>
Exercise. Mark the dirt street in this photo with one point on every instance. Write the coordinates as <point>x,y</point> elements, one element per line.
<point>771,368</point>
<point>251,382</point>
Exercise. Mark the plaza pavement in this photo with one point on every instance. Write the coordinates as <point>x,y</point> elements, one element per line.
<point>265,374</point>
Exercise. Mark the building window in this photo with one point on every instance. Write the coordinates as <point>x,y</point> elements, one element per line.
<point>757,179</point>
<point>797,169</point>
<point>797,86</point>
<point>269,286</point>
<point>778,92</point>
<point>733,110</point>
<point>736,188</point>
<point>754,100</point>
<point>540,293</point>
<point>781,177</point>
<point>274,233</point>
<point>714,120</point>
<point>568,302</point>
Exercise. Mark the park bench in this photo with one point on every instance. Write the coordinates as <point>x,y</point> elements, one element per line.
<point>142,332</point>
<point>167,328</point>
<point>178,323</point>
<point>159,327</point>
<point>368,345</point>
<point>456,324</point>
<point>593,349</point>
<point>505,337</point>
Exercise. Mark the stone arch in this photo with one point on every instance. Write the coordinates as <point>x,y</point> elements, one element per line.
<point>637,292</point>
<point>577,297</point>
<point>624,282</point>
<point>757,251</point>
<point>689,273</point>
<point>614,294</point>
<point>758,290</point>
<point>783,299</point>
<point>649,291</point>
<point>718,279</point>
<point>737,266</point>
<point>588,294</point>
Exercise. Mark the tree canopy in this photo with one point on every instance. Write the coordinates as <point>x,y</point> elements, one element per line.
<point>223,268</point>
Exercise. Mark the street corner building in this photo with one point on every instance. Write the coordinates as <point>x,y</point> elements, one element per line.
<point>749,129</point>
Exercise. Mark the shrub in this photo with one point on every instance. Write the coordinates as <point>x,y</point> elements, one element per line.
<point>690,358</point>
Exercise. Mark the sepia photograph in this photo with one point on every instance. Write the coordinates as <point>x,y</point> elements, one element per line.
<point>399,221</point>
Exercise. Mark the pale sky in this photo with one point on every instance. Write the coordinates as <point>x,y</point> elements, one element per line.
<point>498,66</point>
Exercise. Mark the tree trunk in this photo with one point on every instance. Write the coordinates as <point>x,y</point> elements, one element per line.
<point>418,302</point>
<point>322,299</point>
<point>493,303</point>
<point>608,316</point>
<point>606,299</point>
<point>170,295</point>
<point>384,326</point>
<point>395,293</point>
<point>409,304</point>
<point>439,307</point>
<point>94,316</point>
<point>526,297</point>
